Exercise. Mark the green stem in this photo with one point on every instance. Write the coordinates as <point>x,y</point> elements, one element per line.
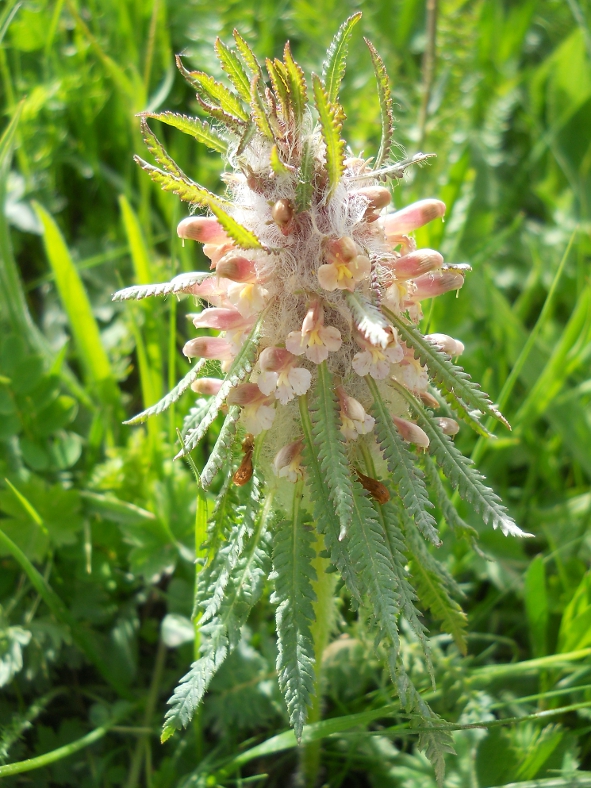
<point>324,610</point>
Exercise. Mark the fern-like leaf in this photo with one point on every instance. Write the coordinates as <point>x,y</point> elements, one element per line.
<point>184,188</point>
<point>180,284</point>
<point>333,68</point>
<point>403,467</point>
<point>448,510</point>
<point>297,84</point>
<point>211,90</point>
<point>324,514</point>
<point>234,69</point>
<point>158,152</point>
<point>223,447</point>
<point>248,56</point>
<point>330,447</point>
<point>242,237</point>
<point>259,110</point>
<point>240,368</point>
<point>368,319</point>
<point>294,574</point>
<point>385,98</point>
<point>279,81</point>
<point>462,473</point>
<point>330,116</point>
<point>196,128</point>
<point>278,167</point>
<point>457,386</point>
<point>172,396</point>
<point>305,185</point>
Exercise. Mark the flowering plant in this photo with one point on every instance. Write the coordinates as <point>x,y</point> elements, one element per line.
<point>329,447</point>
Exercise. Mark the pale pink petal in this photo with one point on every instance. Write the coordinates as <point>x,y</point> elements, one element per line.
<point>300,380</point>
<point>296,343</point>
<point>328,277</point>
<point>348,429</point>
<point>266,415</point>
<point>368,425</point>
<point>361,363</point>
<point>380,369</point>
<point>317,353</point>
<point>394,353</point>
<point>208,347</point>
<point>360,267</point>
<point>267,382</point>
<point>331,337</point>
<point>411,432</point>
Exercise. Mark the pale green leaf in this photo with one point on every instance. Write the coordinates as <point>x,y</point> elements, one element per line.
<point>329,115</point>
<point>385,98</point>
<point>198,129</point>
<point>333,68</point>
<point>234,69</point>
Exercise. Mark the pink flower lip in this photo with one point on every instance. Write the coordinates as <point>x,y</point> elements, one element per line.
<point>237,268</point>
<point>415,264</point>
<point>221,319</point>
<point>436,283</point>
<point>412,217</point>
<point>202,228</point>
<point>209,347</point>
<point>215,252</point>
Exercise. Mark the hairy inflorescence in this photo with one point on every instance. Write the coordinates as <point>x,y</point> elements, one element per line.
<point>329,387</point>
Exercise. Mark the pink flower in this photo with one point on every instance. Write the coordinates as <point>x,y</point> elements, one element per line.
<point>287,462</point>
<point>345,267</point>
<point>315,339</point>
<point>411,373</point>
<point>411,432</point>
<point>258,410</point>
<point>279,374</point>
<point>411,218</point>
<point>448,426</point>
<point>207,386</point>
<point>209,347</point>
<point>376,361</point>
<point>249,299</point>
<point>453,347</point>
<point>215,252</point>
<point>230,321</point>
<point>377,198</point>
<point>416,263</point>
<point>435,283</point>
<point>355,420</point>
<point>205,229</point>
<point>237,268</point>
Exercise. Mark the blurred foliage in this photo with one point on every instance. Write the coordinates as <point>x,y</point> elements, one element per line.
<point>97,561</point>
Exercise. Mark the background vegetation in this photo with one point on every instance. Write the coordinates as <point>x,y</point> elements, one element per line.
<point>97,523</point>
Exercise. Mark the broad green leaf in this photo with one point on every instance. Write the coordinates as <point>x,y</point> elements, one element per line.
<point>575,627</point>
<point>333,68</point>
<point>198,129</point>
<point>234,69</point>
<point>330,124</point>
<point>385,98</point>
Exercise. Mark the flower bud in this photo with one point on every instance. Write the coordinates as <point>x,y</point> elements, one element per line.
<point>377,198</point>
<point>237,268</point>
<point>429,400</point>
<point>287,462</point>
<point>209,347</point>
<point>207,386</point>
<point>215,252</point>
<point>412,217</point>
<point>245,394</point>
<point>448,426</point>
<point>411,432</point>
<point>453,347</point>
<point>416,263</point>
<point>273,359</point>
<point>341,250</point>
<point>282,213</point>
<point>220,319</point>
<point>436,283</point>
<point>203,229</point>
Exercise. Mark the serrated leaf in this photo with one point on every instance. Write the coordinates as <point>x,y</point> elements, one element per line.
<point>279,81</point>
<point>172,396</point>
<point>277,165</point>
<point>329,115</point>
<point>368,319</point>
<point>458,388</point>
<point>305,185</point>
<point>242,237</point>
<point>211,90</point>
<point>403,466</point>
<point>259,110</point>
<point>198,129</point>
<point>247,55</point>
<point>330,447</point>
<point>385,99</point>
<point>294,595</point>
<point>180,284</point>
<point>233,68</point>
<point>185,189</point>
<point>158,152</point>
<point>333,68</point>
<point>297,84</point>
<point>324,514</point>
<point>448,510</point>
<point>222,450</point>
<point>232,124</point>
<point>240,368</point>
<point>461,472</point>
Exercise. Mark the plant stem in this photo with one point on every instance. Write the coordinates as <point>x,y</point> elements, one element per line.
<point>324,610</point>
<point>428,67</point>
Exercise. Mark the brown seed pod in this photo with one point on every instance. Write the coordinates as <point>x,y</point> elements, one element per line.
<point>244,472</point>
<point>378,491</point>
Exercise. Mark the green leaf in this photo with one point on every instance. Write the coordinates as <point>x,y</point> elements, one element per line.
<point>259,110</point>
<point>458,388</point>
<point>461,472</point>
<point>294,595</point>
<point>305,185</point>
<point>280,82</point>
<point>198,129</point>
<point>222,450</point>
<point>324,514</point>
<point>536,606</point>
<point>277,165</point>
<point>240,368</point>
<point>234,69</point>
<point>180,284</point>
<point>330,124</point>
<point>333,68</point>
<point>385,98</point>
<point>184,188</point>
<point>448,510</point>
<point>243,238</point>
<point>248,55</point>
<point>575,627</point>
<point>402,464</point>
<point>368,319</point>
<point>297,85</point>
<point>211,90</point>
<point>158,152</point>
<point>330,447</point>
<point>172,396</point>
<point>76,303</point>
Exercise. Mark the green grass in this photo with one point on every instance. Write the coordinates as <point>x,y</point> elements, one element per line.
<point>99,525</point>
